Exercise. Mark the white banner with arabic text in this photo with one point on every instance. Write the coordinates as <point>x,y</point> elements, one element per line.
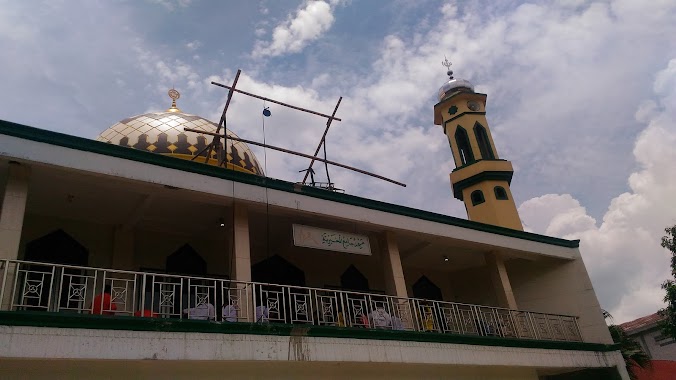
<point>319,238</point>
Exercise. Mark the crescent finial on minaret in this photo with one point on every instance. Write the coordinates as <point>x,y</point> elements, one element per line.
<point>448,64</point>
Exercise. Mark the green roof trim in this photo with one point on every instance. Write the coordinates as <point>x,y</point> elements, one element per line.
<point>459,186</point>
<point>101,322</point>
<point>88,145</point>
<point>480,95</point>
<point>463,114</point>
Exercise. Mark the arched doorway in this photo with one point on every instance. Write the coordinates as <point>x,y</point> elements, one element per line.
<point>186,260</point>
<point>277,270</point>
<point>353,279</point>
<point>172,295</point>
<point>276,303</point>
<point>426,289</point>
<point>67,286</point>
<point>57,247</point>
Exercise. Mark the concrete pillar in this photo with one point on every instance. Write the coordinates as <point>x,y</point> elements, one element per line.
<point>503,288</point>
<point>242,260</point>
<point>11,223</point>
<point>242,245</point>
<point>13,210</point>
<point>123,248</point>
<point>395,284</point>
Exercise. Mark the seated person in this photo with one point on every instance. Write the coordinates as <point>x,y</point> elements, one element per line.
<point>380,318</point>
<point>203,312</point>
<point>340,320</point>
<point>397,323</point>
<point>102,304</point>
<point>145,313</point>
<point>362,321</point>
<point>229,313</point>
<point>484,328</point>
<point>427,319</point>
<point>262,314</point>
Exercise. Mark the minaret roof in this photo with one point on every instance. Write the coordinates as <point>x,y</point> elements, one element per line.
<point>453,84</point>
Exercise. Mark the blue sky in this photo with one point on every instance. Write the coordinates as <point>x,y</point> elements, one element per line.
<point>581,98</point>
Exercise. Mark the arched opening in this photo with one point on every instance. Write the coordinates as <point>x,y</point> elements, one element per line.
<point>274,303</point>
<point>186,260</point>
<point>426,289</point>
<point>277,270</point>
<point>500,193</point>
<point>358,304</point>
<point>56,247</point>
<point>477,197</point>
<point>483,142</point>
<point>353,279</point>
<point>464,149</point>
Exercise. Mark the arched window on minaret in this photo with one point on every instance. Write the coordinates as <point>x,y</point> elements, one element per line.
<point>477,197</point>
<point>483,142</point>
<point>464,149</point>
<point>500,193</point>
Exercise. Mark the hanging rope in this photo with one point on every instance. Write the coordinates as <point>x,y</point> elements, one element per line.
<point>232,239</point>
<point>264,114</point>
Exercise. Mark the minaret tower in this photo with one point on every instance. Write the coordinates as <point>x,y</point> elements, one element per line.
<point>480,178</point>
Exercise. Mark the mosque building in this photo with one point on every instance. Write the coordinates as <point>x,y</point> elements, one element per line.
<point>146,253</point>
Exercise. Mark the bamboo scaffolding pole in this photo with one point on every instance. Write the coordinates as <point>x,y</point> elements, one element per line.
<point>274,101</point>
<point>221,123</point>
<point>322,141</point>
<point>298,154</point>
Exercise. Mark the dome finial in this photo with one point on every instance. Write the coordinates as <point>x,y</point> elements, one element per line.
<point>453,85</point>
<point>173,94</point>
<point>448,64</point>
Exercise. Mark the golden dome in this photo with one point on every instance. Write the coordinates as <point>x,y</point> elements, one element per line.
<point>163,133</point>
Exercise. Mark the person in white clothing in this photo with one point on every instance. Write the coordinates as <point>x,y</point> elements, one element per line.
<point>202,312</point>
<point>380,318</point>
<point>397,324</point>
<point>262,314</point>
<point>229,313</point>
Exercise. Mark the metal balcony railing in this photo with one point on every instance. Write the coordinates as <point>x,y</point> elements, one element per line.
<point>75,289</point>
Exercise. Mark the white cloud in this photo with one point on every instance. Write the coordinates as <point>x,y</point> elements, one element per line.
<point>193,45</point>
<point>623,254</point>
<point>171,5</point>
<point>555,215</point>
<point>292,35</point>
<point>167,72</point>
<point>263,9</point>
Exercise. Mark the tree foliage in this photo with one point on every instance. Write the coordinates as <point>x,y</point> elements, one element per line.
<point>632,352</point>
<point>669,313</point>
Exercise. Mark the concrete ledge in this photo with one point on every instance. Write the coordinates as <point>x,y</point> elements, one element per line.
<point>86,344</point>
<point>97,322</point>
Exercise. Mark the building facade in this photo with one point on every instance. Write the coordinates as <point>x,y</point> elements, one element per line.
<point>138,255</point>
<point>647,332</point>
